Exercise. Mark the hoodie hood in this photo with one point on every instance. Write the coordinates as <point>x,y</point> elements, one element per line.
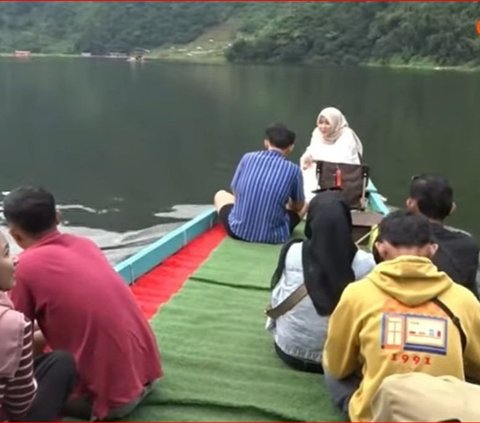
<point>411,280</point>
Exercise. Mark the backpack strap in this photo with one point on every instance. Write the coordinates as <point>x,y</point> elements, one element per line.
<point>455,320</point>
<point>277,274</point>
<point>288,303</point>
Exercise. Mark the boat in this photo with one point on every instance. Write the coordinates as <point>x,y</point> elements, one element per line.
<point>22,53</point>
<point>204,294</point>
<point>135,59</point>
<point>138,54</point>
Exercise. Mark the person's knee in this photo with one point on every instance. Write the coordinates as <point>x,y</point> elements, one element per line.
<point>386,391</point>
<point>341,390</point>
<point>332,385</point>
<point>222,198</point>
<point>65,361</point>
<point>391,382</point>
<point>394,399</point>
<point>330,381</point>
<point>219,195</point>
<point>394,385</point>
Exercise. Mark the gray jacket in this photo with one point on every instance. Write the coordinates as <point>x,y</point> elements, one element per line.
<point>301,332</point>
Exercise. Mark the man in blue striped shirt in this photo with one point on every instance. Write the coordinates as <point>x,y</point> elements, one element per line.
<point>268,199</point>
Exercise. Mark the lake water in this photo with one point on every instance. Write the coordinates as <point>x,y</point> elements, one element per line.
<point>127,146</point>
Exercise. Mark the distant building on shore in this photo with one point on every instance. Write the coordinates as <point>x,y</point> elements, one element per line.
<point>22,53</point>
<point>117,55</point>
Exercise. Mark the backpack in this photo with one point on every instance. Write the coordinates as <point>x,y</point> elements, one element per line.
<point>351,179</point>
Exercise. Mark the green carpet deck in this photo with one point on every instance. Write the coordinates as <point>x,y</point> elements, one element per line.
<point>218,358</point>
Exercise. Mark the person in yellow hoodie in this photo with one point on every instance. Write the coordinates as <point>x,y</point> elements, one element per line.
<point>405,316</point>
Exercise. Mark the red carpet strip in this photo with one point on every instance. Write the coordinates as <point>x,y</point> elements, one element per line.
<point>157,286</point>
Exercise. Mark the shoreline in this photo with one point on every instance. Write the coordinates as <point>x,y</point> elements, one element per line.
<point>217,57</point>
<point>421,67</point>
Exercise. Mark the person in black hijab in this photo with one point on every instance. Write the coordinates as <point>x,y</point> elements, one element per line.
<point>322,266</point>
<point>328,251</point>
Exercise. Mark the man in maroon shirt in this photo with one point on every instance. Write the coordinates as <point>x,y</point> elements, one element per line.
<point>81,305</point>
<point>30,389</point>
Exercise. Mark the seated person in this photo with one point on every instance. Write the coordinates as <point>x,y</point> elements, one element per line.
<point>267,201</point>
<point>418,397</point>
<point>325,262</point>
<point>83,306</point>
<point>30,389</point>
<point>404,316</point>
<point>457,253</point>
<point>332,141</point>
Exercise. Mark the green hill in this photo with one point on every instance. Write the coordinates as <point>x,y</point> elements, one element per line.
<point>440,34</point>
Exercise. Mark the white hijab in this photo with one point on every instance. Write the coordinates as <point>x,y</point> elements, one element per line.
<point>338,126</point>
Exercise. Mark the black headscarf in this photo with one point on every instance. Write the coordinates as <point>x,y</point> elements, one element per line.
<point>328,251</point>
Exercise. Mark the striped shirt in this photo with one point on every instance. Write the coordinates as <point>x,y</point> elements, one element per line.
<point>263,184</point>
<point>17,393</point>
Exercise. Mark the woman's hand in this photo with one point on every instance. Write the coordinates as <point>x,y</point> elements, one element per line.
<point>306,161</point>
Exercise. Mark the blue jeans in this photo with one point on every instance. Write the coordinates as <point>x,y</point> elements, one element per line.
<point>341,390</point>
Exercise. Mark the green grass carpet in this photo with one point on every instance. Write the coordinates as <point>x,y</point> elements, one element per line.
<point>218,358</point>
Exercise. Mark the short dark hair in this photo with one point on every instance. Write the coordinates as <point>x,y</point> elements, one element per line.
<point>434,195</point>
<point>403,228</point>
<point>32,209</point>
<point>280,136</point>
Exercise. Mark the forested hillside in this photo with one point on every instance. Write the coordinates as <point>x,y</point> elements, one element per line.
<point>344,33</point>
<point>72,27</point>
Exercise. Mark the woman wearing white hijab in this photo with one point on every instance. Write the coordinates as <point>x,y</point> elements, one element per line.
<point>332,141</point>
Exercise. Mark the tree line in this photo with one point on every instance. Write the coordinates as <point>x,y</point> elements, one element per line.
<point>336,33</point>
<point>345,33</point>
<point>104,27</point>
